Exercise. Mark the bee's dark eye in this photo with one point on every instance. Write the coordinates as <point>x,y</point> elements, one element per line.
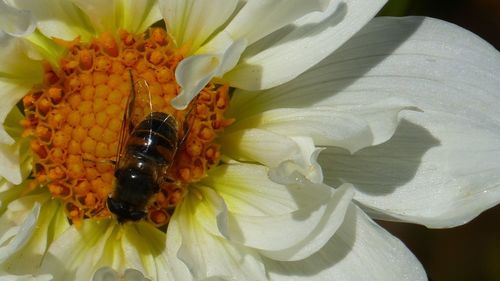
<point>115,207</point>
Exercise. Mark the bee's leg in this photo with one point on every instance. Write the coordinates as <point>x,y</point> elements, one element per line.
<point>164,177</point>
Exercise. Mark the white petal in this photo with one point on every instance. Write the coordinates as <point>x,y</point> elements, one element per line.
<point>10,95</point>
<point>285,155</point>
<point>16,64</point>
<point>193,21</point>
<point>50,224</point>
<point>210,210</point>
<point>9,193</point>
<point>303,167</point>
<point>144,246</point>
<point>308,230</point>
<point>441,168</point>
<point>246,189</point>
<point>349,126</point>
<point>360,250</point>
<point>194,72</point>
<point>174,241</point>
<point>259,211</point>
<point>98,244</point>
<point>56,18</point>
<point>15,22</point>
<point>131,15</point>
<point>23,224</point>
<point>9,163</point>
<point>259,18</point>
<point>24,233</point>
<point>253,21</point>
<point>207,255</point>
<point>69,258</point>
<point>13,157</point>
<point>295,48</point>
<point>18,73</point>
<point>258,145</point>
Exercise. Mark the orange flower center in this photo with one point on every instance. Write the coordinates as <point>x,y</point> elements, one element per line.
<point>75,119</point>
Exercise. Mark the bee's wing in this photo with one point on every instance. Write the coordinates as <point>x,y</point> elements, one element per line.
<point>139,105</point>
<point>143,101</point>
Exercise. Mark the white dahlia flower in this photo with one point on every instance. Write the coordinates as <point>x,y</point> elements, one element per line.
<point>301,121</point>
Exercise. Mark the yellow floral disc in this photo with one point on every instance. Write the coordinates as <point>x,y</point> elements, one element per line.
<point>75,119</point>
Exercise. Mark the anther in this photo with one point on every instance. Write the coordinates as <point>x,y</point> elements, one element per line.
<point>159,217</point>
<point>108,44</point>
<point>86,59</point>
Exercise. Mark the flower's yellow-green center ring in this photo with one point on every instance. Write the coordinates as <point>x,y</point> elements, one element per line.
<point>75,119</point>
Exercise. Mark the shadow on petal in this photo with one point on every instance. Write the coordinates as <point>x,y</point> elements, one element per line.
<point>283,36</point>
<point>379,170</point>
<point>279,37</point>
<point>322,83</point>
<point>359,250</point>
<point>331,254</point>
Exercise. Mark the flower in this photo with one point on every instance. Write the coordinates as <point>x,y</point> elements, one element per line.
<point>327,124</point>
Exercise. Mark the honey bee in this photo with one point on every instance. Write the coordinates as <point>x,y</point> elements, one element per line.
<point>146,151</point>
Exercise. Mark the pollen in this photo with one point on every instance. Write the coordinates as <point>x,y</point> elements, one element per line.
<point>75,119</point>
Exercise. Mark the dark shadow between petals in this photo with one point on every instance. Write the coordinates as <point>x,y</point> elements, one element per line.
<point>379,170</point>
<point>279,37</point>
<point>335,250</point>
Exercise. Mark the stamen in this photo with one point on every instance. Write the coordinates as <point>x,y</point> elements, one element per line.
<point>75,118</point>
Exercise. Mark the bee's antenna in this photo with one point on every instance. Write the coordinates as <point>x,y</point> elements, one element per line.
<point>186,127</point>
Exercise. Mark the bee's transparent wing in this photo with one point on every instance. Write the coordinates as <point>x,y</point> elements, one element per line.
<point>143,103</point>
<point>139,105</point>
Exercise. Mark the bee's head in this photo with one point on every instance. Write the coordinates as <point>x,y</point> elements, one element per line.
<point>125,212</point>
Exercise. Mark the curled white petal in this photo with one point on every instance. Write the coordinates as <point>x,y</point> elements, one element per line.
<point>59,19</point>
<point>207,255</point>
<point>13,241</point>
<point>106,274</point>
<point>359,250</point>
<point>134,275</point>
<point>109,274</point>
<point>259,209</point>
<point>305,42</point>
<point>51,222</point>
<point>284,155</point>
<point>18,73</point>
<point>304,164</point>
<point>307,106</point>
<point>222,53</point>
<point>193,73</point>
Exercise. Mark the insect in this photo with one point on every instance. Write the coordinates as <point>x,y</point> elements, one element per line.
<point>146,151</point>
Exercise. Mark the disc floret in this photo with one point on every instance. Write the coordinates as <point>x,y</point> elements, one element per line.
<point>75,117</point>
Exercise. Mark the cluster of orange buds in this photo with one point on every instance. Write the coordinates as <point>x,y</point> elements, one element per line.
<point>75,119</point>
